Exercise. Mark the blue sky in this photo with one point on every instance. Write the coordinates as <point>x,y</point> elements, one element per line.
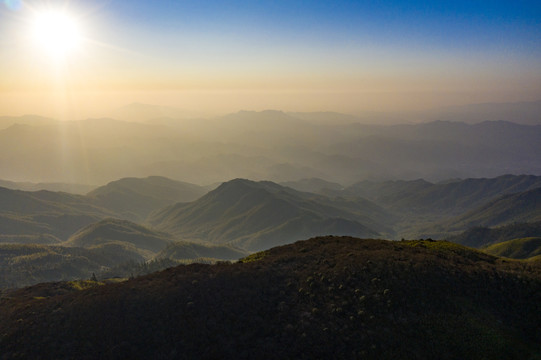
<point>351,55</point>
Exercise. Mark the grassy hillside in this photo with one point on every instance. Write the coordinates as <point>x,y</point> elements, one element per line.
<point>23,265</point>
<point>259,215</point>
<point>135,198</point>
<point>148,242</point>
<point>483,236</point>
<point>329,297</point>
<point>183,250</point>
<point>517,249</point>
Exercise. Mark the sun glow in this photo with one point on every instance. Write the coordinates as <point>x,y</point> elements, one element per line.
<point>56,33</point>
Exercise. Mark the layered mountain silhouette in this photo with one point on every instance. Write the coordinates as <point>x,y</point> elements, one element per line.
<point>328,297</point>
<point>483,236</point>
<point>184,250</point>
<point>259,215</point>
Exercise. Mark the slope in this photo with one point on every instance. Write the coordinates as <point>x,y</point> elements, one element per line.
<point>46,213</point>
<point>327,297</point>
<point>483,236</point>
<point>514,208</point>
<point>517,249</point>
<point>147,242</point>
<point>184,250</point>
<point>259,215</point>
<point>135,198</point>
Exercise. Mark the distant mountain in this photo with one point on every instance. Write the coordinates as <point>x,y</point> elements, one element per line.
<point>449,198</point>
<point>524,248</point>
<point>183,250</point>
<point>80,189</point>
<point>145,241</point>
<point>325,298</point>
<point>7,121</point>
<point>259,215</point>
<point>46,213</point>
<point>528,113</point>
<point>482,236</point>
<point>135,198</point>
<point>313,185</point>
<point>515,208</point>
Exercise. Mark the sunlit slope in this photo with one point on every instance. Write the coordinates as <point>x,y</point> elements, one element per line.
<point>483,236</point>
<point>184,250</point>
<point>524,248</point>
<point>327,297</point>
<point>23,265</point>
<point>259,215</point>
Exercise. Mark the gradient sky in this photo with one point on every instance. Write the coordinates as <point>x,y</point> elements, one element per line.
<point>223,56</point>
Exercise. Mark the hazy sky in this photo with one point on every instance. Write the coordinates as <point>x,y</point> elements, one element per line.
<point>223,56</point>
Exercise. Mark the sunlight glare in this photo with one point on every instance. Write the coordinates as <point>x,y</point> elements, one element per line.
<point>56,33</point>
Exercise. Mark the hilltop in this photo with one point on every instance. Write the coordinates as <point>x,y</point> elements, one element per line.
<point>328,297</point>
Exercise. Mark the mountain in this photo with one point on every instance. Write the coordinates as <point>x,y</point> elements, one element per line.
<point>46,213</point>
<point>524,248</point>
<point>80,189</point>
<point>526,112</point>
<point>143,240</point>
<point>514,208</point>
<point>135,198</point>
<point>456,197</point>
<point>482,236</point>
<point>313,185</point>
<point>259,215</point>
<point>183,250</point>
<point>328,297</point>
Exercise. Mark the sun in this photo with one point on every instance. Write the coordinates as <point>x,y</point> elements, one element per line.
<point>56,33</point>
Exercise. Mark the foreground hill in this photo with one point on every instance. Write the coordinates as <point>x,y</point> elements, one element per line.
<point>329,297</point>
<point>525,248</point>
<point>123,232</point>
<point>135,198</point>
<point>260,215</point>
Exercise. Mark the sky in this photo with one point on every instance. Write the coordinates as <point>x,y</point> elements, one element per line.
<point>223,56</point>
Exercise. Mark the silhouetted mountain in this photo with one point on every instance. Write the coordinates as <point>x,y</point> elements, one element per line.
<point>323,298</point>
<point>183,250</point>
<point>525,248</point>
<point>135,198</point>
<point>313,185</point>
<point>482,236</point>
<point>259,215</point>
<point>145,241</point>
